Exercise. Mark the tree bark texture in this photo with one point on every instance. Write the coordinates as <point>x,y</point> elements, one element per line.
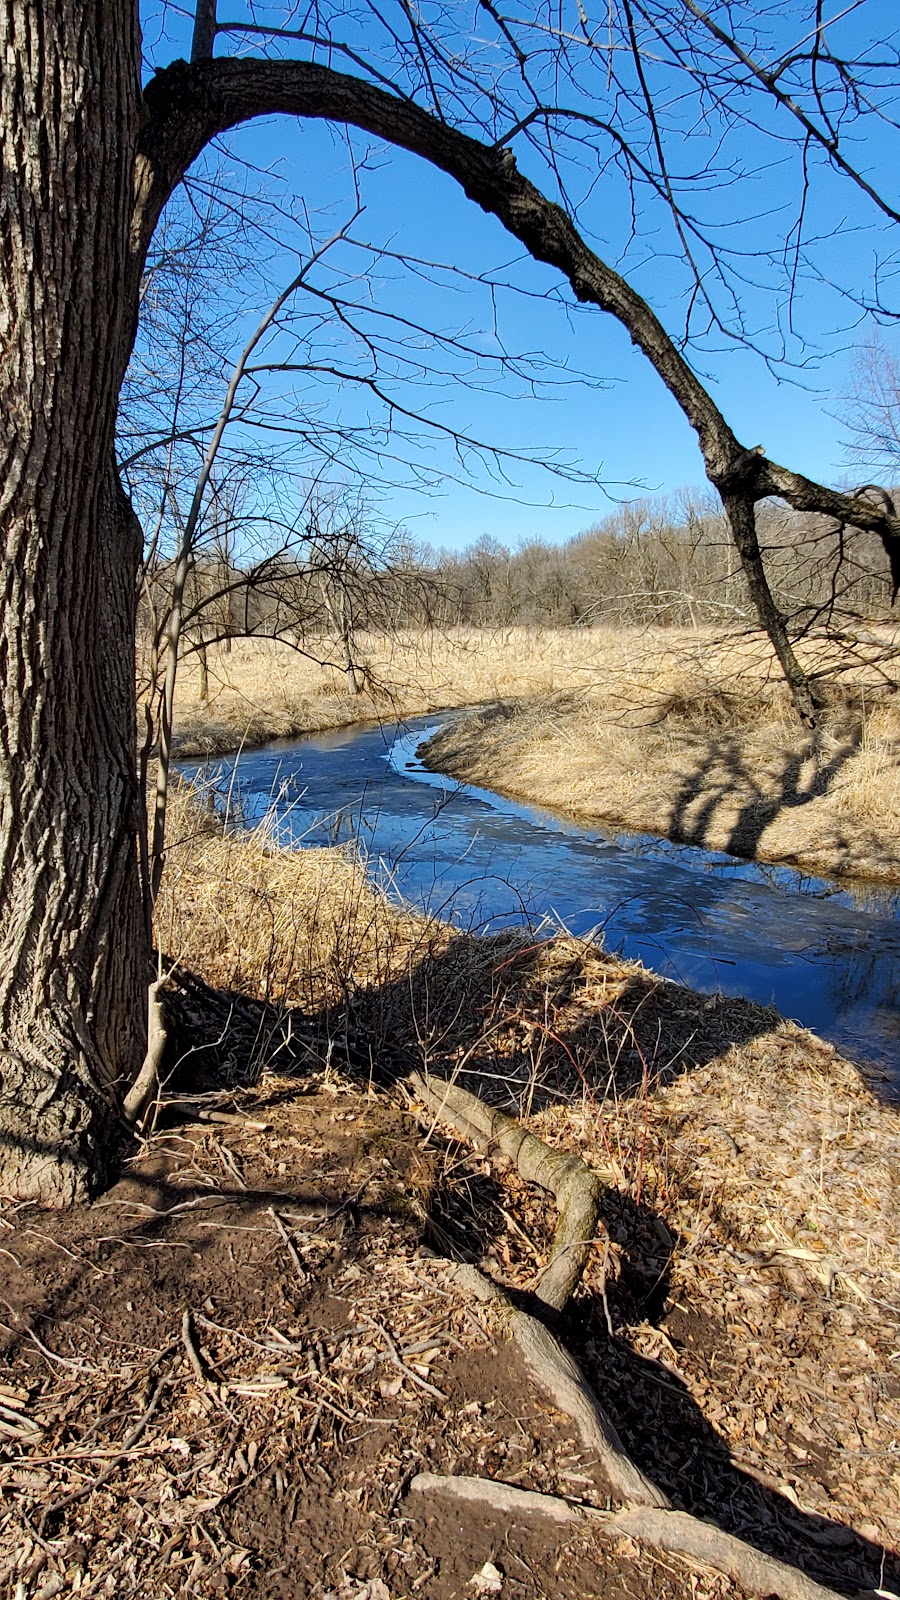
<point>73,955</point>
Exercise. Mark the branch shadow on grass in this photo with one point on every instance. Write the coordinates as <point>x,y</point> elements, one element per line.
<point>722,781</point>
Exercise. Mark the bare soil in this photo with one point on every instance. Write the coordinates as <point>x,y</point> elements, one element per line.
<point>221,1376</point>
<point>332,1360</point>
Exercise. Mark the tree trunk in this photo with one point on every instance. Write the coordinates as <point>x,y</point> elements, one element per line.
<point>73,951</point>
<point>741,513</point>
<point>203,659</point>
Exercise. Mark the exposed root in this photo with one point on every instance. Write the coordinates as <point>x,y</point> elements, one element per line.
<point>147,1081</point>
<point>561,1379</point>
<point>646,1514</point>
<point>672,1531</point>
<point>575,1187</point>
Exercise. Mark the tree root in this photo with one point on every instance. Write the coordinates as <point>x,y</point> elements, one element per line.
<point>575,1187</point>
<point>646,1514</point>
<point>674,1532</point>
<point>147,1081</point>
<point>561,1379</point>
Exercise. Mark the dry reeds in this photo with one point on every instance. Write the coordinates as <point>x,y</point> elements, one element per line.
<point>672,731</point>
<point>297,928</point>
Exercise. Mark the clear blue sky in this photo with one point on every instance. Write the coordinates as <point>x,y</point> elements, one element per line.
<point>628,429</point>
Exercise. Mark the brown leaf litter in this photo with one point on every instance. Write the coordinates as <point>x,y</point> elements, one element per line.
<point>222,1376</point>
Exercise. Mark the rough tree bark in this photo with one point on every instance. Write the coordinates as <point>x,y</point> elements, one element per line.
<point>73,957</point>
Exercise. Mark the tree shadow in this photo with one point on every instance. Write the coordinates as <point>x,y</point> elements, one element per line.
<point>524,1023</point>
<point>610,1034</point>
<point>723,779</point>
<point>667,1434</point>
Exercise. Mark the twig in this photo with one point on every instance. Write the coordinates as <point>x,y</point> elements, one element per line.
<point>398,1362</point>
<point>190,1348</point>
<point>290,1247</point>
<point>62,1361</point>
<point>121,1455</point>
<point>227,1160</point>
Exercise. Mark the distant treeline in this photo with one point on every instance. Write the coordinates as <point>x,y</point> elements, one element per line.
<point>669,562</point>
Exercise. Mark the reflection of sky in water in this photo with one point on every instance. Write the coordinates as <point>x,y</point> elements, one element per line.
<point>825,954</point>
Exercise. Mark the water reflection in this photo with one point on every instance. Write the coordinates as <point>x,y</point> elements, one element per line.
<point>827,954</point>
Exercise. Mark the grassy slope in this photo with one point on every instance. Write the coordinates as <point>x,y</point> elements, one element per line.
<point>752,1164</point>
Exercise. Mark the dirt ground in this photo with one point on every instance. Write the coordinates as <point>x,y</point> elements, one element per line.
<point>265,1446</point>
<point>222,1376</point>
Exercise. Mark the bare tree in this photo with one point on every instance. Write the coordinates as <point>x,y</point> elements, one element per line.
<point>90,159</point>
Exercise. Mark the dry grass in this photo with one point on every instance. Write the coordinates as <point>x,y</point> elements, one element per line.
<point>755,1172</point>
<point>675,732</point>
<point>753,785</point>
<point>262,690</point>
<point>298,928</point>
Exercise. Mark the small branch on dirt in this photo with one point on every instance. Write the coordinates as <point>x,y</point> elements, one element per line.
<point>128,1443</point>
<point>394,1355</point>
<point>234,1119</point>
<point>193,1356</point>
<point>290,1247</point>
<point>674,1532</point>
<point>228,1162</point>
<point>50,1355</point>
<point>576,1188</point>
<point>147,1081</point>
<point>190,1349</point>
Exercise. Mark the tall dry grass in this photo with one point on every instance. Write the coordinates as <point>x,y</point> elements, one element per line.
<point>262,689</point>
<point>673,731</point>
<point>300,928</point>
<point>734,774</point>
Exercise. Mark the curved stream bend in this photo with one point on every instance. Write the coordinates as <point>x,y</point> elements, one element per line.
<point>822,952</point>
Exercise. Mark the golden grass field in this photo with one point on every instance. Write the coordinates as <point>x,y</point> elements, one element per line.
<point>666,731</point>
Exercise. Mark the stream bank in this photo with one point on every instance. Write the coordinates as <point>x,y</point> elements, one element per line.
<point>825,953</point>
<point>674,732</point>
<point>706,772</point>
<point>740,1326</point>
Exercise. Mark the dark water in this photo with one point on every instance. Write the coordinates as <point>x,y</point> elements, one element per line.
<point>825,954</point>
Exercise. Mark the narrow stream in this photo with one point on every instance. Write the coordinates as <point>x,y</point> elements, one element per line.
<point>824,952</point>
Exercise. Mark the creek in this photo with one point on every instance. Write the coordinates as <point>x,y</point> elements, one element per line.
<point>825,952</point>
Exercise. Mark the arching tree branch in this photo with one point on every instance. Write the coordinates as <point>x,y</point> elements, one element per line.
<point>190,105</point>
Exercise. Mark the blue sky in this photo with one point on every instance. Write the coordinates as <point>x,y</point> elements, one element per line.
<point>623,425</point>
